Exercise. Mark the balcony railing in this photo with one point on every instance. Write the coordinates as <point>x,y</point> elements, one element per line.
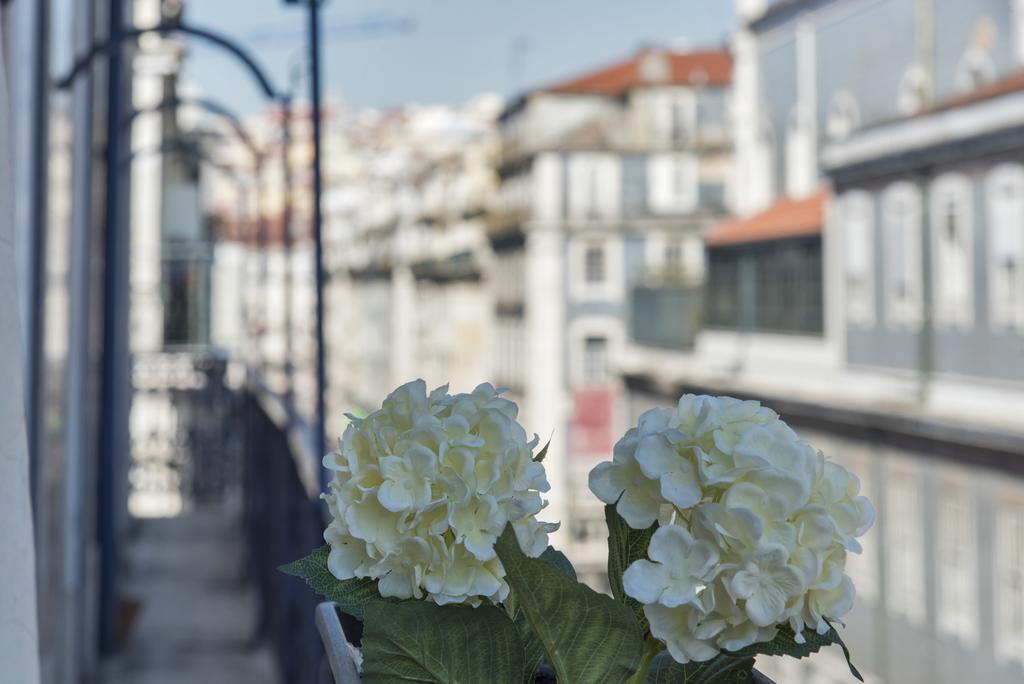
<point>667,317</point>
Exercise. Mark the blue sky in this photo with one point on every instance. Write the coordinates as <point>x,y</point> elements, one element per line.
<point>454,48</point>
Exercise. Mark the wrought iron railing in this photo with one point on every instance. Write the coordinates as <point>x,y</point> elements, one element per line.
<point>284,519</point>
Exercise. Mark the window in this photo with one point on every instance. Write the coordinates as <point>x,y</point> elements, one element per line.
<point>594,186</point>
<point>788,287</point>
<point>595,359</point>
<point>672,183</point>
<point>1009,585</point>
<point>863,567</point>
<point>593,264</point>
<point>679,122</point>
<point>956,558</point>
<point>953,245</point>
<point>675,114</point>
<point>904,533</point>
<point>674,257</point>
<point>858,231</point>
<point>1006,247</point>
<point>901,247</point>
<point>592,192</point>
<point>186,311</point>
<point>774,286</point>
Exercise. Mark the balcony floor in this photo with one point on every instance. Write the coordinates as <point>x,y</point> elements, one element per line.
<point>197,619</point>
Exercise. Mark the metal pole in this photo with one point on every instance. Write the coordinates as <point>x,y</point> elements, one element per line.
<point>111,391</point>
<point>263,245</point>
<point>287,237</point>
<point>321,371</point>
<point>37,234</point>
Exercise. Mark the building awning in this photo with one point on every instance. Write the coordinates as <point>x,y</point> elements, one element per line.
<point>787,218</point>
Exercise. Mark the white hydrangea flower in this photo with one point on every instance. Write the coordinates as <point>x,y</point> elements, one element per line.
<point>759,528</point>
<point>681,567</point>
<point>424,486</point>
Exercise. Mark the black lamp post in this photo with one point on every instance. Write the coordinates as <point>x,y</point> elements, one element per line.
<point>313,44</point>
<point>114,372</point>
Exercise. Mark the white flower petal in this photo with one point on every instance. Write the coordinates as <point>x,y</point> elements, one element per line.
<point>645,581</point>
<point>607,481</point>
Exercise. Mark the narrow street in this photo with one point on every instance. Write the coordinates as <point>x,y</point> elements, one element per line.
<point>197,617</point>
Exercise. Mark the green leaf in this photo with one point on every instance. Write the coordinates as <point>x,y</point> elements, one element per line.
<point>419,641</point>
<point>722,668</point>
<point>784,644</point>
<point>542,453</point>
<point>625,545</point>
<point>587,636</point>
<point>532,647</point>
<point>557,558</point>
<point>352,595</point>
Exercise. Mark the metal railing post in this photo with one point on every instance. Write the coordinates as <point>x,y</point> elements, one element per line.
<point>317,110</point>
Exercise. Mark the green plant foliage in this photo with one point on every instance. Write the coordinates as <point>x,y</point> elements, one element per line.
<point>723,668</point>
<point>587,637</point>
<point>533,649</point>
<point>419,641</point>
<point>784,644</point>
<point>539,458</point>
<point>557,558</point>
<point>625,545</point>
<point>352,596</point>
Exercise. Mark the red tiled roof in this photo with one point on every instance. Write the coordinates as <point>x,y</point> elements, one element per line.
<point>787,218</point>
<point>704,67</point>
<point>1008,84</point>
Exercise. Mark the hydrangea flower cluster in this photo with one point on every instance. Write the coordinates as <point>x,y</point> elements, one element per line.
<point>424,486</point>
<point>755,528</point>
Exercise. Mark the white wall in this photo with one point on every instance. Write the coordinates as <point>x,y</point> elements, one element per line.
<point>19,646</point>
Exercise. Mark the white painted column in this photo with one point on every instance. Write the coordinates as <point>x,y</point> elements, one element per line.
<point>544,377</point>
<point>19,642</point>
<point>403,325</point>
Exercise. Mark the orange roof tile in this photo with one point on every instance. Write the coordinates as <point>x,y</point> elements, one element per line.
<point>1004,86</point>
<point>787,218</point>
<point>654,67</point>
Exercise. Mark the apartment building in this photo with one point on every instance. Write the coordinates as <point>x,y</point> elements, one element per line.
<point>607,183</point>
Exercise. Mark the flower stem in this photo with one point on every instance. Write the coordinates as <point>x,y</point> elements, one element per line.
<point>651,648</point>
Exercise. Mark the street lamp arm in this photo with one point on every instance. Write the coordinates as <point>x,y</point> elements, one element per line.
<point>206,105</point>
<point>115,42</point>
<point>183,146</point>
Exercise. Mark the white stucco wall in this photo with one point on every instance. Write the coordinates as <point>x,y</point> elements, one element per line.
<point>18,630</point>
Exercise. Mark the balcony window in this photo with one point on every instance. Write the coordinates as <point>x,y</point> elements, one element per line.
<point>901,246</point>
<point>1006,252</point>
<point>904,534</point>
<point>858,233</point>
<point>186,308</point>
<point>596,268</point>
<point>674,257</point>
<point>1009,585</point>
<point>953,241</point>
<point>957,565</point>
<point>863,567</point>
<point>672,184</point>
<point>595,359</point>
<point>593,265</point>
